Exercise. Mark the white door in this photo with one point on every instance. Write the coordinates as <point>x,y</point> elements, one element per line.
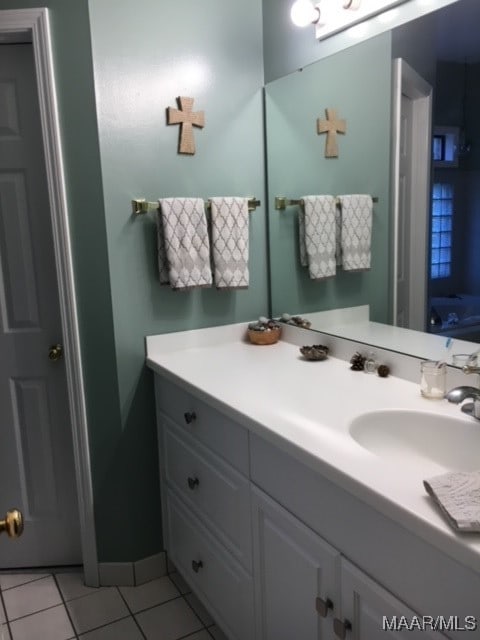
<point>411,135</point>
<point>36,453</point>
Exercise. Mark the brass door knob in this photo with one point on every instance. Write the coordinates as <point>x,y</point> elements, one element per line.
<point>13,523</point>
<point>55,352</point>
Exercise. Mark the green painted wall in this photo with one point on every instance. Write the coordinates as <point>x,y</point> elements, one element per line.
<point>356,81</point>
<point>145,53</point>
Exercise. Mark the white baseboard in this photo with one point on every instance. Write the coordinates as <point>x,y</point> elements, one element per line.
<point>123,574</point>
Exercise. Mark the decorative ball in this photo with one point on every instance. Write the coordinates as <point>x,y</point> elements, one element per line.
<point>383,370</point>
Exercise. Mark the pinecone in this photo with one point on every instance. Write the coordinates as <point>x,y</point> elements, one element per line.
<point>383,370</point>
<point>357,361</point>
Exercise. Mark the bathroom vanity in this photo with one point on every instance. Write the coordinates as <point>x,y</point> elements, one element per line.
<point>284,524</point>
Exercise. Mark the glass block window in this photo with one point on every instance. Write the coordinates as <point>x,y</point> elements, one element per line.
<point>441,239</point>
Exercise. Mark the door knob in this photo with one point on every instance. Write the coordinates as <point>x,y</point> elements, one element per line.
<point>190,416</point>
<point>197,565</point>
<point>13,523</point>
<point>193,482</point>
<point>340,628</point>
<point>323,606</point>
<point>55,352</point>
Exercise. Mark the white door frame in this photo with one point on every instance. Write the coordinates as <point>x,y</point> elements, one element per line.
<point>406,81</point>
<point>19,25</point>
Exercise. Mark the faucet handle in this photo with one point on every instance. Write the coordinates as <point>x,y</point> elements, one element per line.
<point>470,369</point>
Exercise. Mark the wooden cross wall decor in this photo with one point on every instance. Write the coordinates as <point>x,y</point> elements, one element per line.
<point>331,126</point>
<point>187,119</point>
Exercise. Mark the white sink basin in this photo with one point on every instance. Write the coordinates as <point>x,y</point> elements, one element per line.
<point>403,436</point>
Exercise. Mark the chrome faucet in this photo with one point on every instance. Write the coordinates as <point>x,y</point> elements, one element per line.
<point>459,394</point>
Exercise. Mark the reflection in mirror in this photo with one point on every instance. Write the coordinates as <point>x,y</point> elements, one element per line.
<point>442,50</point>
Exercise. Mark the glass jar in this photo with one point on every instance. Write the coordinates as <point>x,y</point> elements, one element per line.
<point>433,378</point>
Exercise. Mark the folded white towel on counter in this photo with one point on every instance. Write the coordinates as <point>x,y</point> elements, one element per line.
<point>458,495</point>
<point>184,245</point>
<point>356,231</point>
<point>230,243</point>
<point>317,231</point>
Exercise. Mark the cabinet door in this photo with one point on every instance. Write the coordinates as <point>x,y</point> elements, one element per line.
<point>294,575</point>
<point>370,612</point>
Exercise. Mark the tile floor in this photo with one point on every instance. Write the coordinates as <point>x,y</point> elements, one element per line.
<point>58,606</point>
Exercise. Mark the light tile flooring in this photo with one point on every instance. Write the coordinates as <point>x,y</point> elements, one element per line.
<point>58,606</point>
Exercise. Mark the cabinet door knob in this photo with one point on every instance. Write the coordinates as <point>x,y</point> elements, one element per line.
<point>193,482</point>
<point>322,606</point>
<point>340,628</point>
<point>197,565</point>
<point>190,416</point>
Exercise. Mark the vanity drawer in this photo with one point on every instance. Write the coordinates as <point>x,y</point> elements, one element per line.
<point>202,422</point>
<point>219,581</point>
<point>216,492</point>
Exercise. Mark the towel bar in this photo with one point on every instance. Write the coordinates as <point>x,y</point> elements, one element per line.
<point>140,205</point>
<point>282,203</point>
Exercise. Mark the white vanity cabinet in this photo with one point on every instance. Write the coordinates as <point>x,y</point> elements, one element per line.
<point>306,589</point>
<point>206,505</point>
<point>276,551</point>
<point>400,574</point>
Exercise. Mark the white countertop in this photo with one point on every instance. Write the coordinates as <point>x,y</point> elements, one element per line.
<point>305,408</point>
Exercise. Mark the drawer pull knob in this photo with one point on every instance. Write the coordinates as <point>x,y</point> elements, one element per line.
<point>340,628</point>
<point>196,566</point>
<point>190,416</point>
<point>322,606</point>
<point>193,482</point>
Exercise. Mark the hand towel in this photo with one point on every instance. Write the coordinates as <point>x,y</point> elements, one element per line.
<point>230,246</point>
<point>356,231</point>
<point>316,226</point>
<point>458,495</point>
<point>186,251</point>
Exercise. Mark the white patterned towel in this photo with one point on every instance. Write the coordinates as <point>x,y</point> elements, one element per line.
<point>230,219</point>
<point>316,228</point>
<point>183,243</point>
<point>356,231</point>
<point>458,495</point>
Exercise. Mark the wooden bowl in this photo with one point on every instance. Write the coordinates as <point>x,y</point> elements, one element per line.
<point>264,337</point>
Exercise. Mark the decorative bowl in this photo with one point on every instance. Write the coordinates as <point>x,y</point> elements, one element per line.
<point>314,352</point>
<point>269,336</point>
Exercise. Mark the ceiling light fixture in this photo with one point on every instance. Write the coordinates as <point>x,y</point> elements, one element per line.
<point>331,16</point>
<point>304,13</point>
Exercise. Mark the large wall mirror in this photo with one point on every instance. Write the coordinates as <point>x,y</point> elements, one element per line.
<point>436,234</point>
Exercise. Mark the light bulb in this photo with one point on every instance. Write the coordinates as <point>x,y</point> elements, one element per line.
<point>304,13</point>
